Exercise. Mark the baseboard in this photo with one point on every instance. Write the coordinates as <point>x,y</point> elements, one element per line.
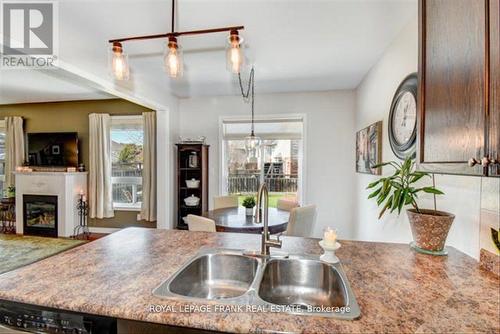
<point>106,230</point>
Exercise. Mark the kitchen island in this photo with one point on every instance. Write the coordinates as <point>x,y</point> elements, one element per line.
<point>397,290</point>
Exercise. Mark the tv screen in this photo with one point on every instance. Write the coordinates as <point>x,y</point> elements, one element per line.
<point>58,149</point>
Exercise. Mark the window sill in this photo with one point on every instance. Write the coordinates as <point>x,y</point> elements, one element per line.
<point>124,207</point>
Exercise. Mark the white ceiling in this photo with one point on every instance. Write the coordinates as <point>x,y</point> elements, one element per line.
<point>295,45</point>
<point>29,86</point>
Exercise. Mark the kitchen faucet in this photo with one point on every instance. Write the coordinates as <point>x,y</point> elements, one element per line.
<point>263,216</point>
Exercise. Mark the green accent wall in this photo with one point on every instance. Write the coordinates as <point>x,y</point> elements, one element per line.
<point>72,116</point>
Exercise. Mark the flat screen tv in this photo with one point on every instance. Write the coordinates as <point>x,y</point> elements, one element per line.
<point>55,149</point>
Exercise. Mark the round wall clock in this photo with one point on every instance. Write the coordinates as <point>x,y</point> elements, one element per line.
<point>403,118</point>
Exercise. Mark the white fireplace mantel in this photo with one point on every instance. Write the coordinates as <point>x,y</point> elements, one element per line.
<point>65,185</point>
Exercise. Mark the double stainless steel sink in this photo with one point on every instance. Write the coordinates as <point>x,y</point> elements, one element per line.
<point>297,284</point>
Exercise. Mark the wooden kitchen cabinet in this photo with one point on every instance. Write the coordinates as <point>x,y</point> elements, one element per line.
<point>458,118</point>
<point>494,93</point>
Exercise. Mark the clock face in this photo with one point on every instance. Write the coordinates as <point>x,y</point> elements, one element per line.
<point>404,118</point>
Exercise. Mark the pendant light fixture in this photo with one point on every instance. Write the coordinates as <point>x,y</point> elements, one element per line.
<point>234,52</point>
<point>119,62</point>
<point>172,58</point>
<point>252,142</point>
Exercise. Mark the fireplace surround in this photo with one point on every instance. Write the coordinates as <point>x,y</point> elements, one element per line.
<point>65,186</point>
<point>40,215</point>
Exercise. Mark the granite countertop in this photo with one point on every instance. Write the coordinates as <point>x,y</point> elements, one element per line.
<point>397,289</point>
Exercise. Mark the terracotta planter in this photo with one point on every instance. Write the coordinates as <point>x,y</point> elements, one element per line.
<point>430,228</point>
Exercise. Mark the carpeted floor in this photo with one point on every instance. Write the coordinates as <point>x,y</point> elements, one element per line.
<point>17,251</point>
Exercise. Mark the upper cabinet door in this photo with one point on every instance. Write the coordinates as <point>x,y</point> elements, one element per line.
<point>494,119</point>
<point>453,76</point>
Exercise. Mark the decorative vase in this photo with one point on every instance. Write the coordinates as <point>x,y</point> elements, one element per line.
<point>429,229</point>
<point>249,211</point>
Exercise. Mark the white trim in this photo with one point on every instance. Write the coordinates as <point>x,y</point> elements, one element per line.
<point>125,207</point>
<point>126,119</point>
<point>104,229</point>
<point>270,117</point>
<point>222,149</point>
<point>303,163</point>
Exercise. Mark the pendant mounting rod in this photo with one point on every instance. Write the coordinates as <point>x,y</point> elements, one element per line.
<point>176,34</point>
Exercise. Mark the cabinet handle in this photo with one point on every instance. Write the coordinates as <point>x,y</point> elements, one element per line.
<point>493,161</point>
<point>485,161</point>
<point>473,161</point>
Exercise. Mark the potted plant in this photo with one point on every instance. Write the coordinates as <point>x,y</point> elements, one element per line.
<point>429,227</point>
<point>249,204</point>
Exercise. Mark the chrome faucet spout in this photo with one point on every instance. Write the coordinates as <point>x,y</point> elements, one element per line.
<point>262,216</point>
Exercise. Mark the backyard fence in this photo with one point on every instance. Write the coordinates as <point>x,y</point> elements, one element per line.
<point>238,184</point>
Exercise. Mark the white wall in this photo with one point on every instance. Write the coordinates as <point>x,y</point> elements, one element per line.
<point>462,194</point>
<point>329,165</point>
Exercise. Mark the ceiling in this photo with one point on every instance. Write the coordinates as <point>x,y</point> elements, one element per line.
<point>29,86</point>
<point>295,45</point>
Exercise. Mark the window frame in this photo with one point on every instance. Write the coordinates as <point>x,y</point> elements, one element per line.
<point>129,180</point>
<point>302,172</point>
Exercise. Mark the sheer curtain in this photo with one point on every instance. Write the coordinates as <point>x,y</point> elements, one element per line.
<point>14,144</point>
<point>100,186</point>
<point>148,209</point>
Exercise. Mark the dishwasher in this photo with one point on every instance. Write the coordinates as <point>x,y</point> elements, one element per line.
<point>24,318</point>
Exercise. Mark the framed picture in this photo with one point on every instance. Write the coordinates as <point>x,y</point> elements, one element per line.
<point>369,149</point>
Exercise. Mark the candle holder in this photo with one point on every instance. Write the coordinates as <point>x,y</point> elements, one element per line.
<point>329,252</point>
<point>83,227</point>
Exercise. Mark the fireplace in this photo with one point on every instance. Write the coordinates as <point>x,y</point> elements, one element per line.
<point>40,215</point>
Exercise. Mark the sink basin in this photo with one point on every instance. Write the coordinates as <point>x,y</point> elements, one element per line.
<point>212,276</point>
<point>302,283</point>
<point>299,284</point>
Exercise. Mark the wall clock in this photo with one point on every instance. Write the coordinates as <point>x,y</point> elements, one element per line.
<point>403,118</point>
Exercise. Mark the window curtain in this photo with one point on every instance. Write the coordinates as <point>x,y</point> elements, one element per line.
<point>148,209</point>
<point>100,186</point>
<point>14,145</point>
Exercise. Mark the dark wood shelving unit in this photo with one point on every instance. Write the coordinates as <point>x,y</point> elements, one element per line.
<point>185,172</point>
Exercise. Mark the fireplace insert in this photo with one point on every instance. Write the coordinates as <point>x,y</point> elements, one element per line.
<point>40,215</point>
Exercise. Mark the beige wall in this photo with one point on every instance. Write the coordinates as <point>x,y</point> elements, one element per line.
<point>73,116</point>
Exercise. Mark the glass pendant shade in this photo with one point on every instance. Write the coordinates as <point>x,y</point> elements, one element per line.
<point>252,145</point>
<point>119,62</point>
<point>173,59</point>
<point>234,53</point>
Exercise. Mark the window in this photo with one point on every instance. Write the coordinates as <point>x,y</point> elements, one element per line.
<point>277,163</point>
<point>2,156</point>
<point>127,161</point>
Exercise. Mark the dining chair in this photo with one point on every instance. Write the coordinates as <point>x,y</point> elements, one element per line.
<point>301,221</point>
<point>201,224</point>
<point>221,202</point>
<point>287,204</point>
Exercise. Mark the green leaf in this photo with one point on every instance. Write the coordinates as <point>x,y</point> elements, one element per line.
<point>395,202</point>
<point>402,200</point>
<point>408,198</point>
<point>375,193</point>
<point>432,190</point>
<point>388,204</point>
<point>415,178</point>
<point>373,184</point>
<point>381,164</point>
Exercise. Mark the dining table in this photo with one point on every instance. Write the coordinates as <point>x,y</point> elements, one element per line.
<point>236,220</point>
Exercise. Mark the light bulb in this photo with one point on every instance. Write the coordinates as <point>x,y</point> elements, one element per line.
<point>234,53</point>
<point>119,62</point>
<point>173,58</point>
